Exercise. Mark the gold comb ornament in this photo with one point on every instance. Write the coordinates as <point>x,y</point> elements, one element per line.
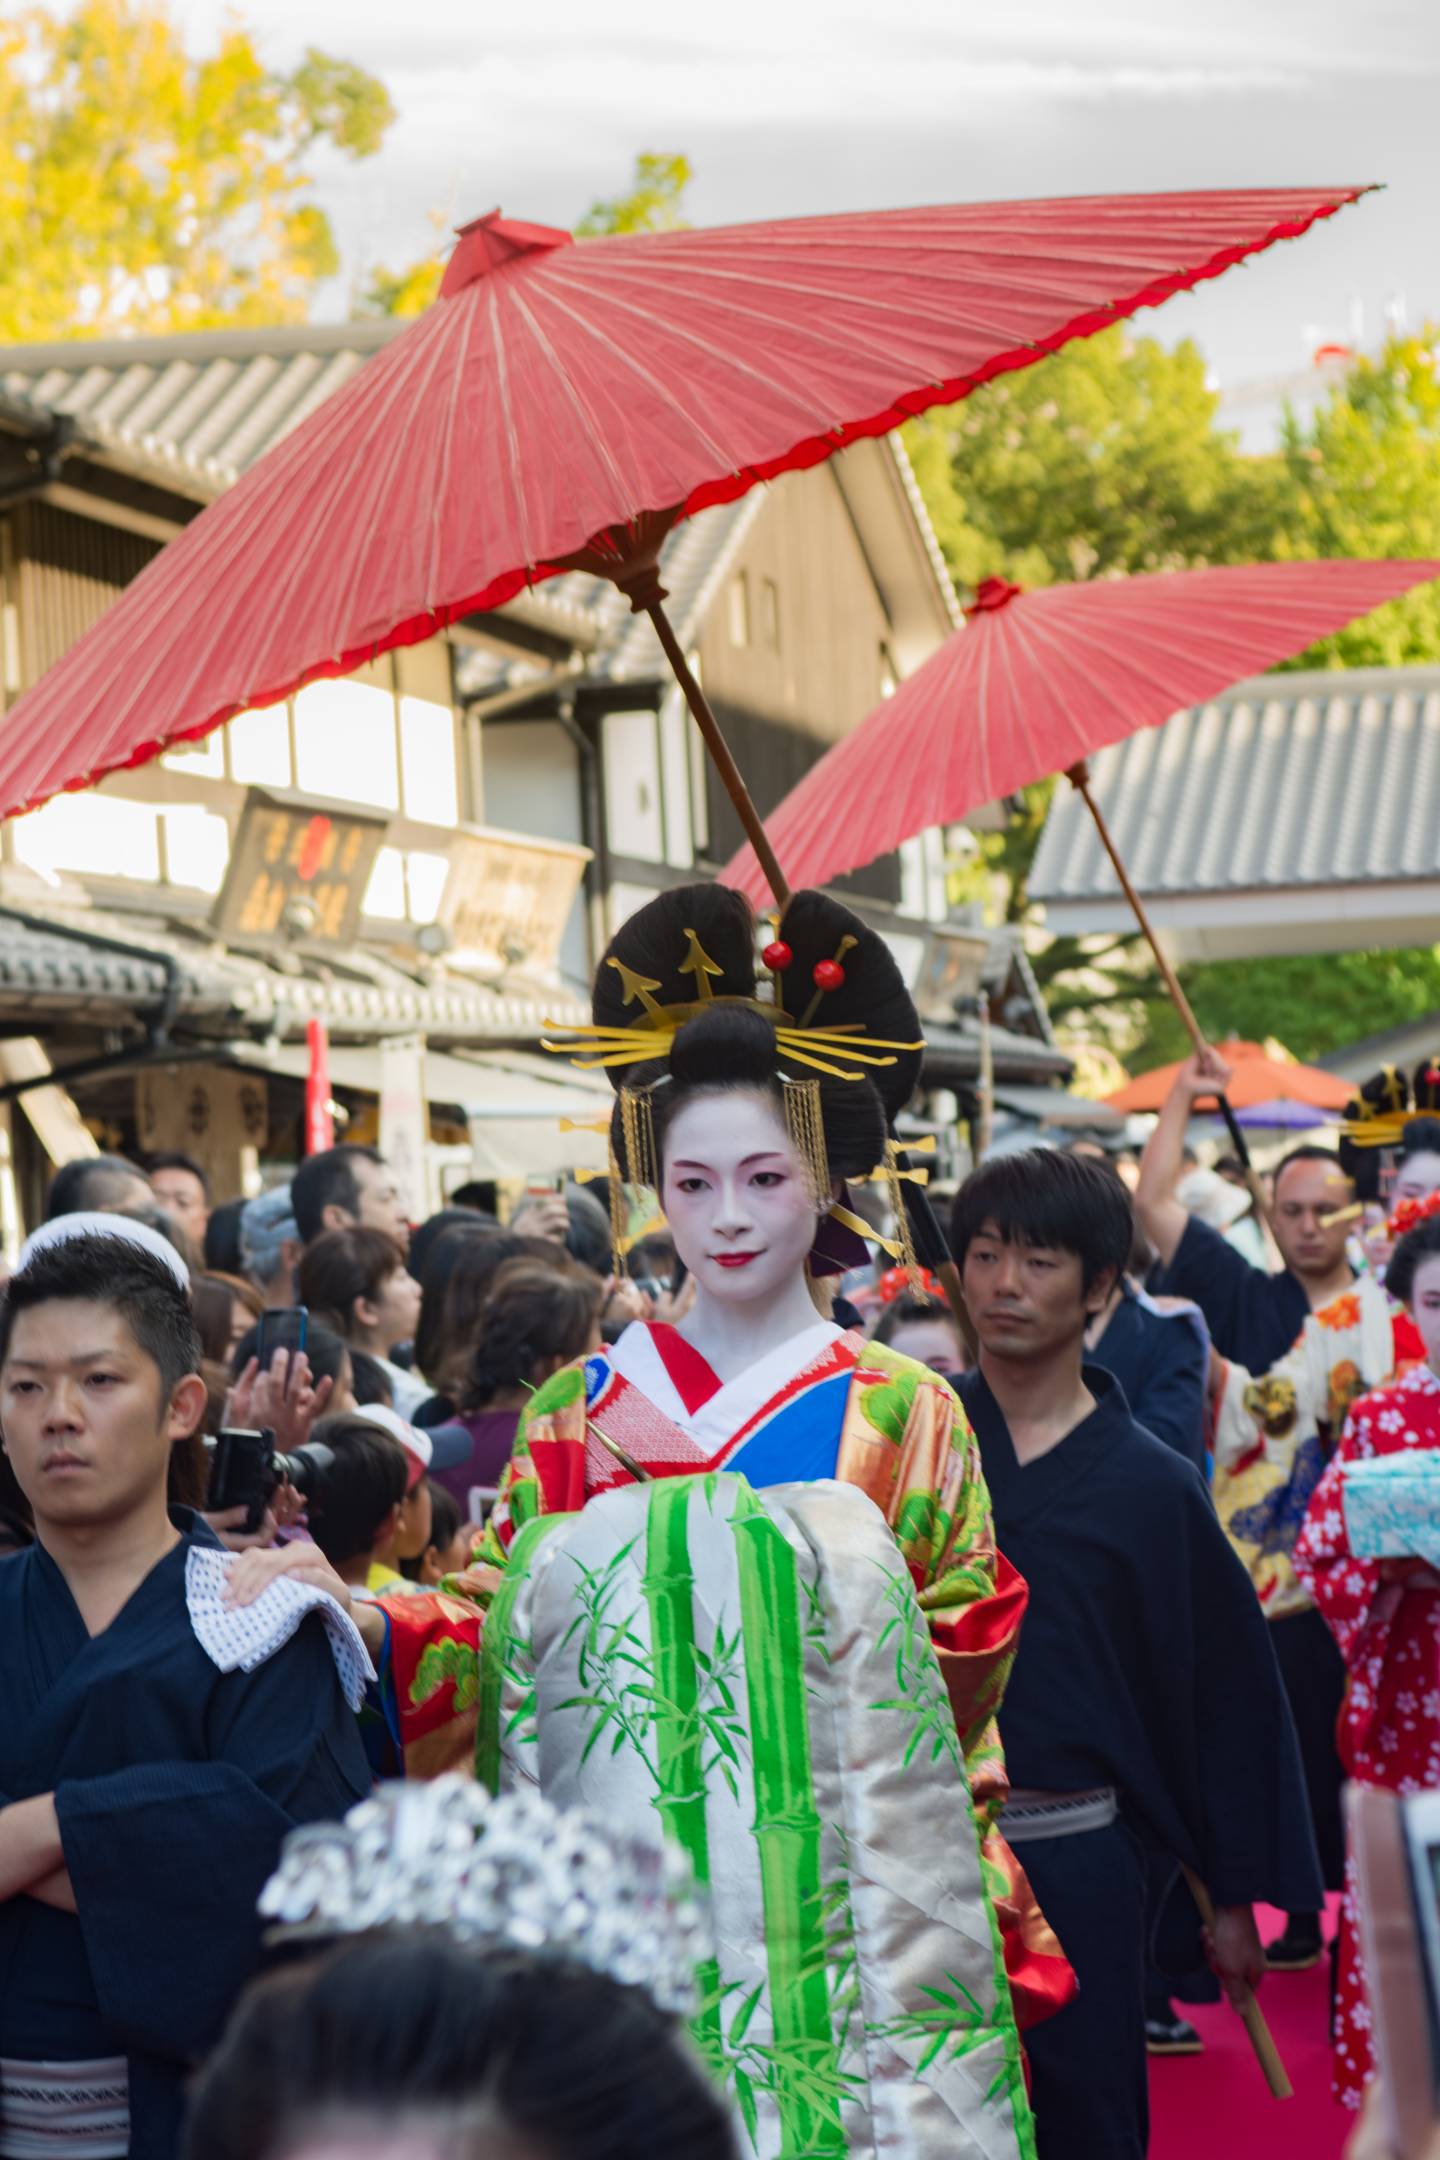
<point>842,1052</point>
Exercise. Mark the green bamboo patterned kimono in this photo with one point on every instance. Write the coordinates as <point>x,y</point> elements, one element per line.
<point>752,1672</point>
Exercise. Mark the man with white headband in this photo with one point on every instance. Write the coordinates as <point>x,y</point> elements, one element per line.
<point>147,1778</point>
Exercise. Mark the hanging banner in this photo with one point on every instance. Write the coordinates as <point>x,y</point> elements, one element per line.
<point>405,1121</point>
<point>319,1111</point>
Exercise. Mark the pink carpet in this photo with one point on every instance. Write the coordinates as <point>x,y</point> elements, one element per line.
<point>1217,2104</point>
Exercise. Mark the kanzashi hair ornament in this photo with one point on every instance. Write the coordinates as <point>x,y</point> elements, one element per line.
<point>513,1873</point>
<point>827,975</point>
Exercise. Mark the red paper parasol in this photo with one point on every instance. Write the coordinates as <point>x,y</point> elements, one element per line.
<point>1036,681</point>
<point>564,405</point>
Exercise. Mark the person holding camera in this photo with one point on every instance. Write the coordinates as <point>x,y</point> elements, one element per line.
<point>147,1780</point>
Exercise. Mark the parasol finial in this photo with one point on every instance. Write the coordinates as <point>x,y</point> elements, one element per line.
<point>487,243</point>
<point>992,593</point>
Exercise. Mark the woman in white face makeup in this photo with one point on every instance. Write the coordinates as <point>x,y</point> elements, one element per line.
<point>748,1093</point>
<point>728,1111</point>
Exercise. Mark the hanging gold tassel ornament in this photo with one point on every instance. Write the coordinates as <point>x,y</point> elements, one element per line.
<point>895,1187</point>
<point>805,1123</point>
<point>637,1130</point>
<point>641,1167</point>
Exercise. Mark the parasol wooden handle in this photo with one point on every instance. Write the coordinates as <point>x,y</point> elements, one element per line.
<point>719,749</point>
<point>1262,2040</point>
<point>1079,777</point>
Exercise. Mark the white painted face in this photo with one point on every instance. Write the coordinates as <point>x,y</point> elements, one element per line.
<point>1425,1309</point>
<point>1417,1177</point>
<point>736,1196</point>
<point>930,1342</point>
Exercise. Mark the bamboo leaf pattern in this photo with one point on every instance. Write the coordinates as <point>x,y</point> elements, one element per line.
<point>447,1664</point>
<point>954,2023</point>
<point>920,1692</point>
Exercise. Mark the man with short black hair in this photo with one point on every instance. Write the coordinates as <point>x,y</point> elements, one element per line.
<point>1144,1705</point>
<point>97,1184</point>
<point>346,1185</point>
<point>1295,1349</point>
<point>146,1780</point>
<point>183,1190</point>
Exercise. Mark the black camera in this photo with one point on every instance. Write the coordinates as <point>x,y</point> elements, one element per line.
<point>246,1466</point>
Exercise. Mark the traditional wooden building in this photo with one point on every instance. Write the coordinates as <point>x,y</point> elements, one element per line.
<point>476,812</point>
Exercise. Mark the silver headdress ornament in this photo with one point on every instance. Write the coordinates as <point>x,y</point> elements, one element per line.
<point>513,1871</point>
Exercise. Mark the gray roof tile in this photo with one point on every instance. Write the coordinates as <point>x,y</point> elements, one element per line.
<point>1287,781</point>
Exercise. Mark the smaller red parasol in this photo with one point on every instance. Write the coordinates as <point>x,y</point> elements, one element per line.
<point>1038,681</point>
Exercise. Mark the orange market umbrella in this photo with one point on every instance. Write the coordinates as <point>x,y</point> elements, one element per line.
<point>1259,1077</point>
<point>563,405</point>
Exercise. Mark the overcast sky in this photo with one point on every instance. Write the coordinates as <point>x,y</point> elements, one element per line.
<point>788,106</point>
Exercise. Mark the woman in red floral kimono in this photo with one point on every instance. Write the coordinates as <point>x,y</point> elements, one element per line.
<point>750,1112</point>
<point>1384,1614</point>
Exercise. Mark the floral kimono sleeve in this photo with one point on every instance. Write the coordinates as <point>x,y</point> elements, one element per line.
<point>907,1443</point>
<point>432,1657</point>
<point>546,1471</point>
<point>1345,1587</point>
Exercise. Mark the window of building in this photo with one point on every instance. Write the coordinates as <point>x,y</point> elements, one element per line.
<point>385,893</point>
<point>739,608</point>
<point>406,885</point>
<point>770,614</point>
<point>634,819</point>
<point>101,834</point>
<point>345,743</point>
<point>259,747</point>
<point>197,847</point>
<point>427,761</point>
<point>425,876</point>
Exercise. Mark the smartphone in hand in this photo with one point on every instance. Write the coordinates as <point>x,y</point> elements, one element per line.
<point>282,1327</point>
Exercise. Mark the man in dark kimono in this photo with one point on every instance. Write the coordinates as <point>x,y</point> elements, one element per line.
<point>144,1791</point>
<point>1257,1320</point>
<point>1145,1710</point>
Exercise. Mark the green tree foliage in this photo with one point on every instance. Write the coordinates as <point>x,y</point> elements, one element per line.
<point>1310,1002</point>
<point>1106,458</point>
<point>142,189</point>
<point>1100,459</point>
<point>1363,478</point>
<point>655,203</point>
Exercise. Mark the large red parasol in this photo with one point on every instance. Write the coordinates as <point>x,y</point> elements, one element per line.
<point>563,406</point>
<point>1036,681</point>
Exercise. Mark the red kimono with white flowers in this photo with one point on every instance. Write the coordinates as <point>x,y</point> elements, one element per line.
<point>1389,1637</point>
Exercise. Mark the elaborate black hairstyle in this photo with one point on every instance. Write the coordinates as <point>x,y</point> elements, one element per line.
<point>731,1043</point>
<point>1372,1128</point>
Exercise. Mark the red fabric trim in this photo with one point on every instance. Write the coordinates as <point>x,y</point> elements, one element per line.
<point>695,1381</point>
<point>992,1623</point>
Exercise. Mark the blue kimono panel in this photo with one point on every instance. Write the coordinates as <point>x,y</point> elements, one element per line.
<point>174,1784</point>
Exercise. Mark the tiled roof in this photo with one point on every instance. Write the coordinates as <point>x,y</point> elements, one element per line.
<point>1289,781</point>
<point>192,411</point>
<point>40,966</point>
<point>223,990</point>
